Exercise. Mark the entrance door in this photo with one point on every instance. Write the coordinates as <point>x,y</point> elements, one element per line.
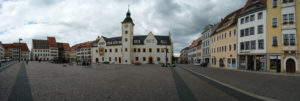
<point>221,63</point>
<point>290,66</point>
<point>97,60</point>
<point>119,60</point>
<point>150,60</point>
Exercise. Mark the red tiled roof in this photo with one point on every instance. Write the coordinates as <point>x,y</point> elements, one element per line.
<point>195,42</point>
<point>24,46</point>
<point>84,44</point>
<point>248,4</point>
<point>66,46</point>
<point>227,22</point>
<point>52,42</point>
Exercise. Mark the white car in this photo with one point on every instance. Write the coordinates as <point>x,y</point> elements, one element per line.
<point>197,64</point>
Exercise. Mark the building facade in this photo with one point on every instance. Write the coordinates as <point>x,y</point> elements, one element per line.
<point>184,55</point>
<point>16,51</point>
<point>48,50</point>
<point>223,43</point>
<point>208,30</point>
<point>193,50</point>
<point>252,36</point>
<point>129,49</point>
<point>2,51</point>
<point>282,38</point>
<point>84,52</point>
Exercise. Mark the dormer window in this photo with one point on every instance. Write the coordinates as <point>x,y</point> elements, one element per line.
<point>163,41</point>
<point>137,41</point>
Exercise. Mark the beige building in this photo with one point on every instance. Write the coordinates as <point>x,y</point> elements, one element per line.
<point>184,55</point>
<point>223,43</point>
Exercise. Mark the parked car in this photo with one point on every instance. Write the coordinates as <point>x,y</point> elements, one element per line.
<point>137,63</point>
<point>197,64</point>
<point>203,64</point>
<point>105,62</point>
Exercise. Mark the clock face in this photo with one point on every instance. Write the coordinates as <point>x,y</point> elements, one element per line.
<point>126,26</point>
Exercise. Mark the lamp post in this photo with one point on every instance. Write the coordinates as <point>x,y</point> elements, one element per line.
<point>20,49</point>
<point>166,55</point>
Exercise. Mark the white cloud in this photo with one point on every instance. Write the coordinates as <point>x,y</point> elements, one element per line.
<point>77,21</point>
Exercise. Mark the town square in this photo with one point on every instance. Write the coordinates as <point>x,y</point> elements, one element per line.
<point>149,50</point>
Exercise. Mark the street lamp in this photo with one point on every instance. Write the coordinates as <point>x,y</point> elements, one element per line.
<point>20,49</point>
<point>166,55</point>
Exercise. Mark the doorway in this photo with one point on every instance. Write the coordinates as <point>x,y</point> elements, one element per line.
<point>97,60</point>
<point>290,66</point>
<point>150,60</point>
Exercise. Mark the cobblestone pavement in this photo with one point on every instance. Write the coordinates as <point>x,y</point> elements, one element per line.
<point>279,87</point>
<point>58,82</point>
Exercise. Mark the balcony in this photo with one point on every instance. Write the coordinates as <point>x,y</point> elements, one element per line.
<point>287,3</point>
<point>291,46</point>
<point>288,25</point>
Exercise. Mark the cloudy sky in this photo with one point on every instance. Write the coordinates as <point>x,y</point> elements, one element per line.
<point>76,21</point>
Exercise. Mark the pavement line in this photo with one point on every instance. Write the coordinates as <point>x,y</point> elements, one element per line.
<point>6,66</point>
<point>184,92</point>
<point>232,87</point>
<point>21,90</point>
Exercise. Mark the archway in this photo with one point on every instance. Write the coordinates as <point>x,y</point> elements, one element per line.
<point>150,60</point>
<point>290,64</point>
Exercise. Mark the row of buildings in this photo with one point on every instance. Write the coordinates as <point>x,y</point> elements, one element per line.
<point>125,49</point>
<point>14,51</point>
<point>260,36</point>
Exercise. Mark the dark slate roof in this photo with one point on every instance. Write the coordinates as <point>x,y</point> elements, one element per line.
<point>160,38</point>
<point>141,38</point>
<point>128,18</point>
<point>40,44</point>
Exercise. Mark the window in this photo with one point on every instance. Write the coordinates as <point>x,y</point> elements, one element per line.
<point>125,49</point>
<point>109,58</point>
<point>242,21</point>
<point>144,49</point>
<point>134,50</point>
<point>125,39</point>
<point>274,41</point>
<point>162,50</point>
<point>247,19</point>
<point>286,39</point>
<point>126,32</point>
<point>110,50</point>
<point>292,39</point>
<point>228,62</point>
<point>225,35</point>
<point>247,32</point>
<point>116,50</point>
<point>285,19</point>
<point>158,58</point>
<point>274,22</point>
<point>116,59</point>
<point>253,45</point>
<point>144,58</point>
<point>291,18</point>
<point>247,45</point>
<point>233,62</point>
<point>260,29</point>
<point>260,15</point>
<point>102,58</point>
<point>157,50</point>
<point>252,17</point>
<point>139,50</point>
<point>234,47</point>
<point>260,44</point>
<point>150,50</point>
<point>275,3</point>
<point>234,32</point>
<point>136,58</point>
<point>242,45</point>
<point>229,33</point>
<point>229,47</point>
<point>242,33</point>
<point>252,31</point>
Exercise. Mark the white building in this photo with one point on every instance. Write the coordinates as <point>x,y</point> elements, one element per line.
<point>2,51</point>
<point>44,49</point>
<point>251,37</point>
<point>208,30</point>
<point>129,49</point>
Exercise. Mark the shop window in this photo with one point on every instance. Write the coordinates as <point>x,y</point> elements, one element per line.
<point>233,62</point>
<point>228,62</point>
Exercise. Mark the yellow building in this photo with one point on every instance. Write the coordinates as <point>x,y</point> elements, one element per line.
<point>282,36</point>
<point>223,43</point>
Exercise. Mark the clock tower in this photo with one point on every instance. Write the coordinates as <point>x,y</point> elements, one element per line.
<point>127,39</point>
